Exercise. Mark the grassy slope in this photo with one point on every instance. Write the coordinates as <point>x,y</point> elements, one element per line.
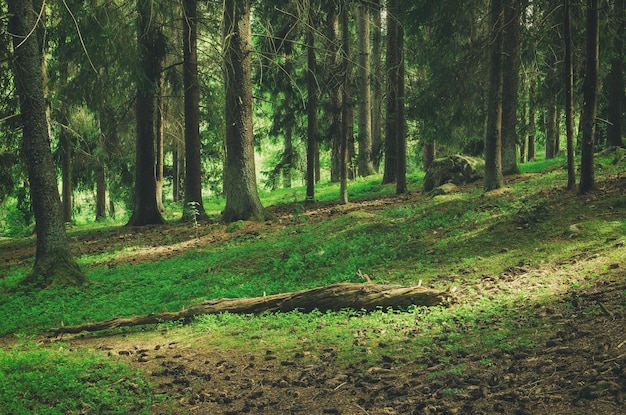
<point>466,242</point>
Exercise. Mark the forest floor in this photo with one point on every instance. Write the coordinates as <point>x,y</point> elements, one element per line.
<point>578,368</point>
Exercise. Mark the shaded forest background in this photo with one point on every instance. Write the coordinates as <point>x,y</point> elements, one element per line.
<point>135,96</point>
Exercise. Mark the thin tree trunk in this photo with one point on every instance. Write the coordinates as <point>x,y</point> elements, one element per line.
<point>493,140</point>
<point>511,66</point>
<point>347,111</point>
<point>311,106</point>
<point>66,168</point>
<point>108,143</point>
<point>289,120</point>
<point>590,97</point>
<point>616,79</point>
<point>552,128</point>
<point>377,84</point>
<point>54,263</point>
<point>401,186</point>
<point>160,143</point>
<point>365,165</point>
<point>569,96</point>
<point>335,94</point>
<point>393,70</point>
<point>532,128</point>
<point>523,138</point>
<point>101,188</point>
<point>193,208</point>
<point>429,155</point>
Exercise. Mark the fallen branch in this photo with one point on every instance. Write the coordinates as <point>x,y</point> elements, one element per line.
<point>329,298</point>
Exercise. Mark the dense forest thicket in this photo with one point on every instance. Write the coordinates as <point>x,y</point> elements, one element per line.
<point>127,105</point>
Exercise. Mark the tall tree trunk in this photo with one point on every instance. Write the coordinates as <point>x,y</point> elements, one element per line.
<point>288,159</point>
<point>311,106</point>
<point>100,176</point>
<point>193,204</point>
<point>393,71</point>
<point>110,146</point>
<point>160,142</point>
<point>429,155</point>
<point>377,85</point>
<point>569,96</point>
<point>616,79</point>
<point>511,66</point>
<point>524,130</point>
<point>590,97</point>
<point>242,195</point>
<point>347,111</point>
<point>493,139</point>
<point>66,166</point>
<point>335,93</point>
<point>54,263</point>
<point>151,51</point>
<point>532,127</point>
<point>553,86</point>
<point>401,186</point>
<point>365,165</point>
<point>101,188</point>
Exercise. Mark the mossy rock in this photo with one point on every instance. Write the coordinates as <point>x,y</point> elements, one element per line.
<point>455,169</point>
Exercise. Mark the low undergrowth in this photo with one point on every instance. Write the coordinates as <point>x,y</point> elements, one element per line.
<point>505,257</point>
<point>47,381</point>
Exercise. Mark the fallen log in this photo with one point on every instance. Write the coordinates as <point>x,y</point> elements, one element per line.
<point>333,297</point>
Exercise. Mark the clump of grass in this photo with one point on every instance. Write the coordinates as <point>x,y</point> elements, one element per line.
<point>37,380</point>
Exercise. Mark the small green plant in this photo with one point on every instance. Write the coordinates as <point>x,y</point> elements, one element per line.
<point>298,214</point>
<point>451,392</point>
<point>193,209</point>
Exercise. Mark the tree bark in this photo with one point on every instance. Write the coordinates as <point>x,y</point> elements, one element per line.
<point>66,166</point>
<point>616,79</point>
<point>377,85</point>
<point>367,297</point>
<point>493,140</point>
<point>193,208</point>
<point>590,97</point>
<point>365,165</point>
<point>429,155</point>
<point>311,106</point>
<point>552,118</point>
<point>242,196</point>
<point>532,101</point>
<point>54,263</point>
<point>347,111</point>
<point>151,50</point>
<point>393,71</point>
<point>335,93</point>
<point>401,186</point>
<point>101,187</point>
<point>511,65</point>
<point>289,157</point>
<point>160,142</point>
<point>569,96</point>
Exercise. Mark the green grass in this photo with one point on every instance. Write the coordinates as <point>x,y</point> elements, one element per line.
<point>46,381</point>
<point>450,242</point>
<point>469,234</point>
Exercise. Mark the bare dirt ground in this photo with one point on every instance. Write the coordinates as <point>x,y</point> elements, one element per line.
<point>579,369</point>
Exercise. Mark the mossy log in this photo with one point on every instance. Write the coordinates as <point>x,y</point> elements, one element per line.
<point>334,297</point>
